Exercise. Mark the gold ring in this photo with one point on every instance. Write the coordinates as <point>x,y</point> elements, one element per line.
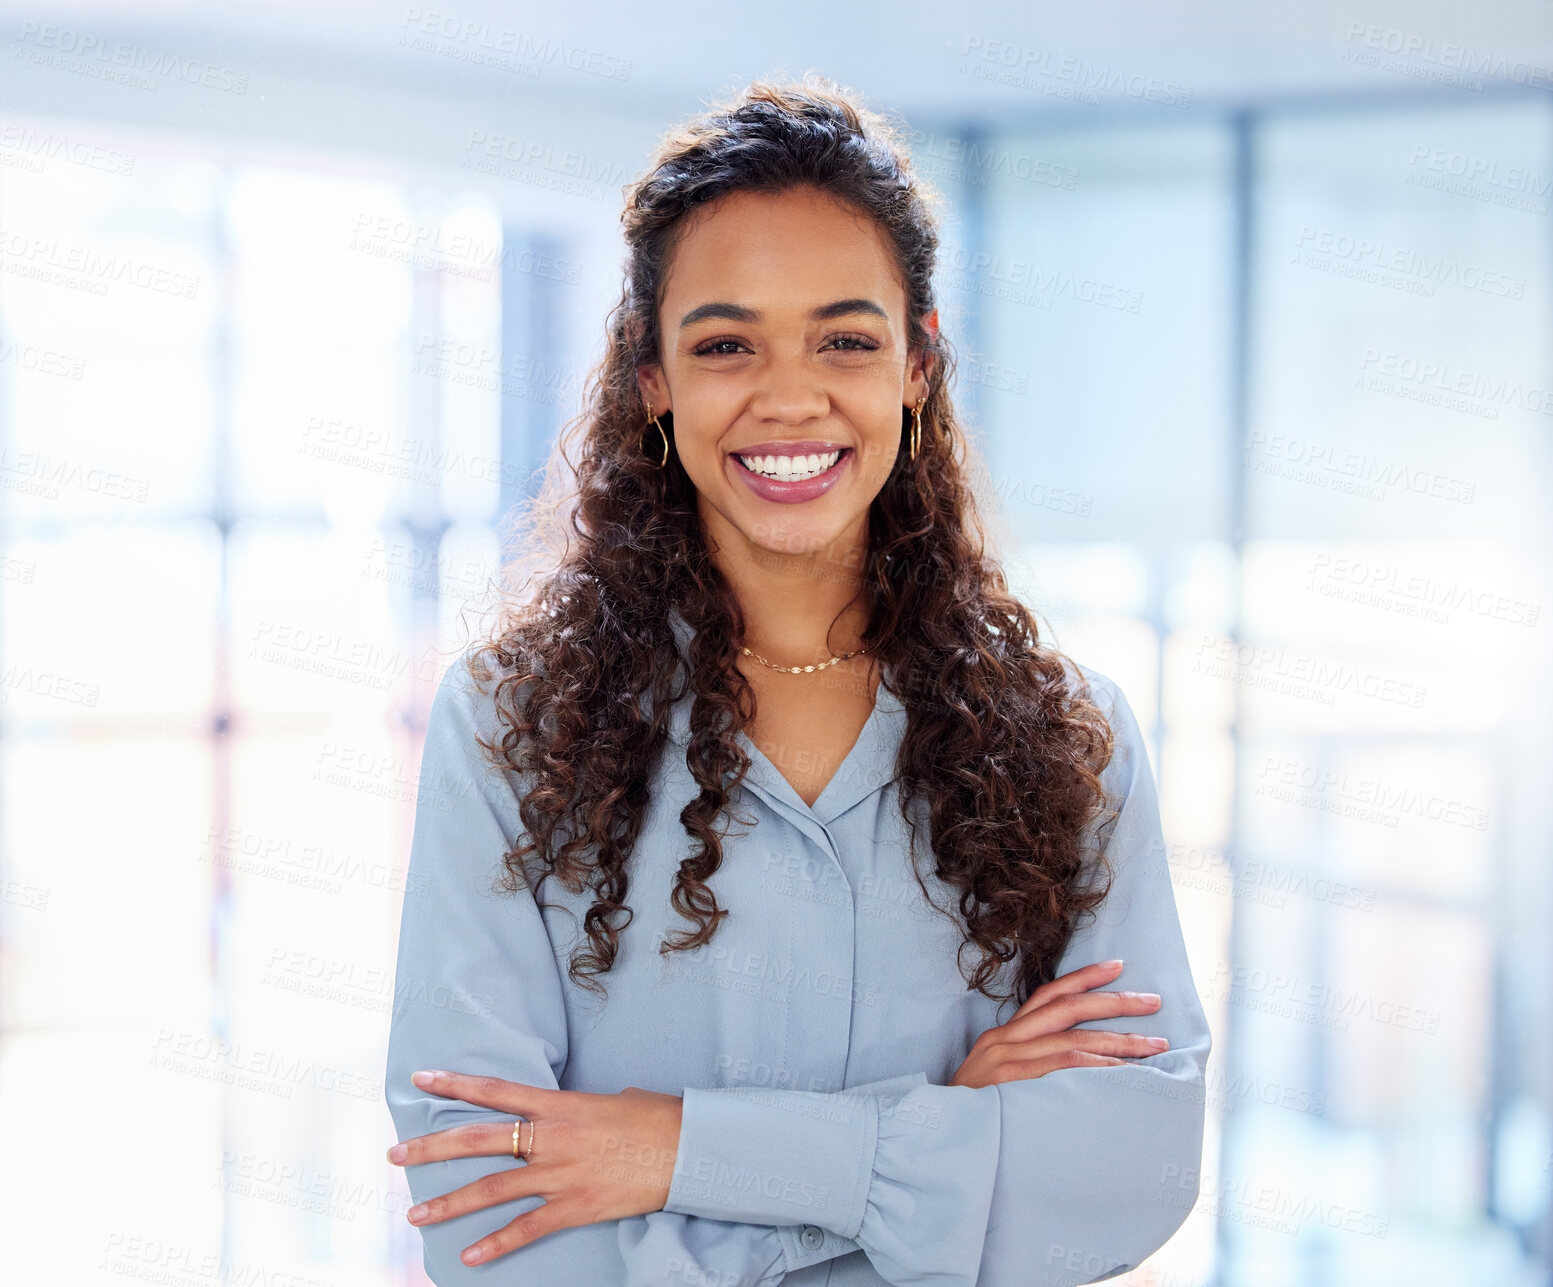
<point>518,1153</point>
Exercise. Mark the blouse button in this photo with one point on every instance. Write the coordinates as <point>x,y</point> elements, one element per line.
<point>811,1237</point>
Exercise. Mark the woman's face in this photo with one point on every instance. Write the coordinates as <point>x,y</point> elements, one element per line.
<point>783,334</point>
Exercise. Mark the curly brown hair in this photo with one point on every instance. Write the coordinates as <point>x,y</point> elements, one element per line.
<point>1003,741</point>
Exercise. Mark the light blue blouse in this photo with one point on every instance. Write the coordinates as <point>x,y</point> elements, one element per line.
<point>811,1039</point>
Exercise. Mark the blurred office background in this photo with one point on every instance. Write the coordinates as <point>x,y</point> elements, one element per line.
<point>1254,308</point>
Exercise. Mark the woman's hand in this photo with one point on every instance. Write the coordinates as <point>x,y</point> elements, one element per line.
<point>1041,1038</point>
<point>593,1158</point>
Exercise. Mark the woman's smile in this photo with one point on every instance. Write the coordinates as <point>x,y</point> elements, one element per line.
<point>801,472</point>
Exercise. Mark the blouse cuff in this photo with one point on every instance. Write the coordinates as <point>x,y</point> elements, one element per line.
<point>904,1167</point>
<point>935,1168</point>
<point>779,1157</point>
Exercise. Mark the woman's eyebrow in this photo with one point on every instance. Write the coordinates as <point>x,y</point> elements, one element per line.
<point>738,313</point>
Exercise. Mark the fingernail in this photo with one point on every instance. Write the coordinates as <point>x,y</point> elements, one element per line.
<point>417,1214</point>
<point>1148,996</point>
<point>1108,964</point>
<point>1159,1043</point>
<point>397,1153</point>
<point>473,1256</point>
<point>424,1078</point>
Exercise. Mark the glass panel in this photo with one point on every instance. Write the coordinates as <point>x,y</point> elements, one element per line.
<point>110,624</point>
<point>1101,317</point>
<point>108,297</point>
<point>320,400</point>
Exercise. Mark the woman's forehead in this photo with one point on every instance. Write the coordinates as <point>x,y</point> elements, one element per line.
<point>786,246</point>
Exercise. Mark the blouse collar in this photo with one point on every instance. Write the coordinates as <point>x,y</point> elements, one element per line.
<point>866,768</point>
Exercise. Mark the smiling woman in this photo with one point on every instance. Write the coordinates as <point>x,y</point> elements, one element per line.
<point>802,1085</point>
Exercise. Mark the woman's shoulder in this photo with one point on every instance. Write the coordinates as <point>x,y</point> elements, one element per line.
<point>1128,749</point>
<point>1086,681</point>
<point>465,700</point>
<point>467,680</point>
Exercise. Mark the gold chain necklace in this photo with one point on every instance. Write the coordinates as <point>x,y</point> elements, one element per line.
<point>803,670</point>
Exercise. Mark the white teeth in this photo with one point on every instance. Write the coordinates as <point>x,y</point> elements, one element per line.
<point>791,468</point>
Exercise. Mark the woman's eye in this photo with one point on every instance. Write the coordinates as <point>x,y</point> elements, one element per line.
<point>855,343</point>
<point>714,348</point>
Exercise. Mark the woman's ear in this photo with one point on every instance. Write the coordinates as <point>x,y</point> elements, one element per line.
<point>653,388</point>
<point>919,373</point>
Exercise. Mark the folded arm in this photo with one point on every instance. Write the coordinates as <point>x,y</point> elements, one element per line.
<point>1068,1178</point>
<point>475,986</point>
<point>477,989</point>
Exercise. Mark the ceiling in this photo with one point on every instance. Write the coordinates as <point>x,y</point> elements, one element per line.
<point>379,75</point>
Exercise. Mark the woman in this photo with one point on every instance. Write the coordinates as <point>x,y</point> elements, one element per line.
<point>718,1054</point>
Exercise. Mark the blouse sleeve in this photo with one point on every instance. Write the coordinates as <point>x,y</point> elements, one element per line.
<point>1063,1179</point>
<point>460,944</point>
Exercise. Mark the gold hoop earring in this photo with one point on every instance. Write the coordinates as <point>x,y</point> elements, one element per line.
<point>653,420</point>
<point>916,427</point>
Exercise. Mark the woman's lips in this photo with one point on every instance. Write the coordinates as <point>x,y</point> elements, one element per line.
<point>789,492</point>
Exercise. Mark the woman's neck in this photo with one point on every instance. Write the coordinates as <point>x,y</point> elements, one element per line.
<point>798,610</point>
